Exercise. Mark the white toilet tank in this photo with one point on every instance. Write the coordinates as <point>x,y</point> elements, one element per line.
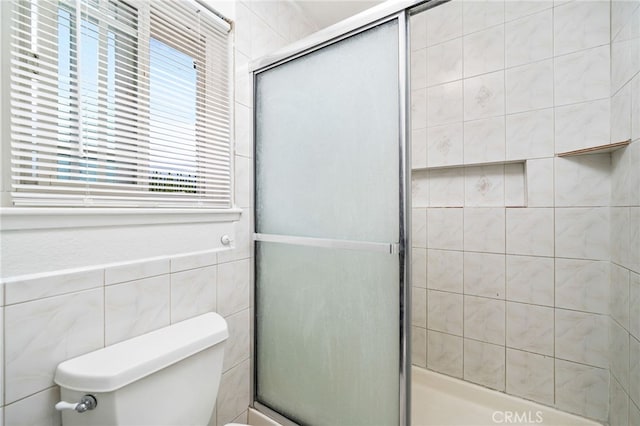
<point>167,377</point>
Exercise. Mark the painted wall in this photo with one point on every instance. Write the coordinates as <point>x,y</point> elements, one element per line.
<point>514,246</point>
<point>74,284</point>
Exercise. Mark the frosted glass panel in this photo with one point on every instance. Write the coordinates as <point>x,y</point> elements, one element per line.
<point>327,334</point>
<point>327,138</point>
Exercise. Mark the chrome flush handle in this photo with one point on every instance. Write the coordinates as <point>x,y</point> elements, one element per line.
<point>87,402</point>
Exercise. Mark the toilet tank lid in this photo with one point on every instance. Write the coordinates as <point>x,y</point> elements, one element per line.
<point>115,366</point>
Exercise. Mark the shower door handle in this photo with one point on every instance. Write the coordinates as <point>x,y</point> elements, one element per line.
<point>390,248</point>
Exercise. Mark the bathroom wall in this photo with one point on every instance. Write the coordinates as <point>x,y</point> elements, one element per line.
<point>72,284</point>
<point>624,323</point>
<point>512,244</point>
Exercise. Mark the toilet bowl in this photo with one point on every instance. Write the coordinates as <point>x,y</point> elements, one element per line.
<point>167,377</point>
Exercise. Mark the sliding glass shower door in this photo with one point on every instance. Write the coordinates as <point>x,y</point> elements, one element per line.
<point>329,211</point>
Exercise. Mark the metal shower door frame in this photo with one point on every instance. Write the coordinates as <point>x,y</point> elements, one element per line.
<point>385,12</point>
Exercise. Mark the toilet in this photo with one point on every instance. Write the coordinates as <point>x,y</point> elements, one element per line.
<point>167,377</point>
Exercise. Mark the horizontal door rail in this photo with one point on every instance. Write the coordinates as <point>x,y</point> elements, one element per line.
<point>390,248</point>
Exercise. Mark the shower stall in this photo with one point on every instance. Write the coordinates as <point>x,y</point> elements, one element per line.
<point>422,198</point>
<point>331,251</point>
<point>331,211</point>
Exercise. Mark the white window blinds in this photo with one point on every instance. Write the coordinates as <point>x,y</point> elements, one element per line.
<point>118,103</point>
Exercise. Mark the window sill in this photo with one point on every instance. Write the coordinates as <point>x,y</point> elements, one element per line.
<point>24,218</point>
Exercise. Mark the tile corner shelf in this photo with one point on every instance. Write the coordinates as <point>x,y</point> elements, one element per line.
<point>600,149</point>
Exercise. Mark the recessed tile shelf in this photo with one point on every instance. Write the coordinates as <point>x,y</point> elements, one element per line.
<point>495,184</point>
<point>600,149</point>
<point>482,164</point>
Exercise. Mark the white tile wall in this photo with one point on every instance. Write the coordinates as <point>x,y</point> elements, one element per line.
<point>150,311</point>
<point>530,134</point>
<point>634,305</point>
<point>445,230</point>
<point>234,393</point>
<point>530,279</point>
<point>478,15</point>
<point>556,84</point>
<point>484,186</point>
<point>625,221</point>
<point>634,414</point>
<point>529,39</point>
<point>445,269</point>
<point>445,145</point>
<point>635,108</point>
<point>420,189</point>
<point>24,289</point>
<point>443,104</point>
<point>484,364</point>
<point>621,12</point>
<point>444,312</point>
<point>484,96</point>
<point>419,267</point>
<point>446,188</point>
<point>484,275</point>
<point>484,140</point>
<point>530,328</point>
<point>193,292</point>
<point>443,63</point>
<point>540,182</point>
<point>484,229</point>
<point>238,344</point>
<point>419,307</point>
<point>619,287</point>
<point>530,231</point>
<point>582,233</point>
<point>42,333</point>
<point>582,285</point>
<point>581,337</point>
<point>484,319</point>
<point>582,389</point>
<point>625,55</point>
<point>136,270</point>
<point>514,185</point>
<point>38,410</point>
<point>419,227</point>
<point>583,181</point>
<point>619,354</point>
<point>233,286</point>
<point>444,353</point>
<point>582,76</point>
<point>2,358</point>
<point>418,108</point>
<point>582,125</point>
<point>621,115</point>
<point>193,261</point>
<point>580,25</point>
<point>519,8</point>
<point>483,51</point>
<point>530,376</point>
<point>529,87</point>
<point>419,68</point>
<point>634,370</point>
<point>419,346</point>
<point>418,148</point>
<point>444,23</point>
<point>619,404</point>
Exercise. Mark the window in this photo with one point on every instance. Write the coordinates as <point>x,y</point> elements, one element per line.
<point>119,103</point>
